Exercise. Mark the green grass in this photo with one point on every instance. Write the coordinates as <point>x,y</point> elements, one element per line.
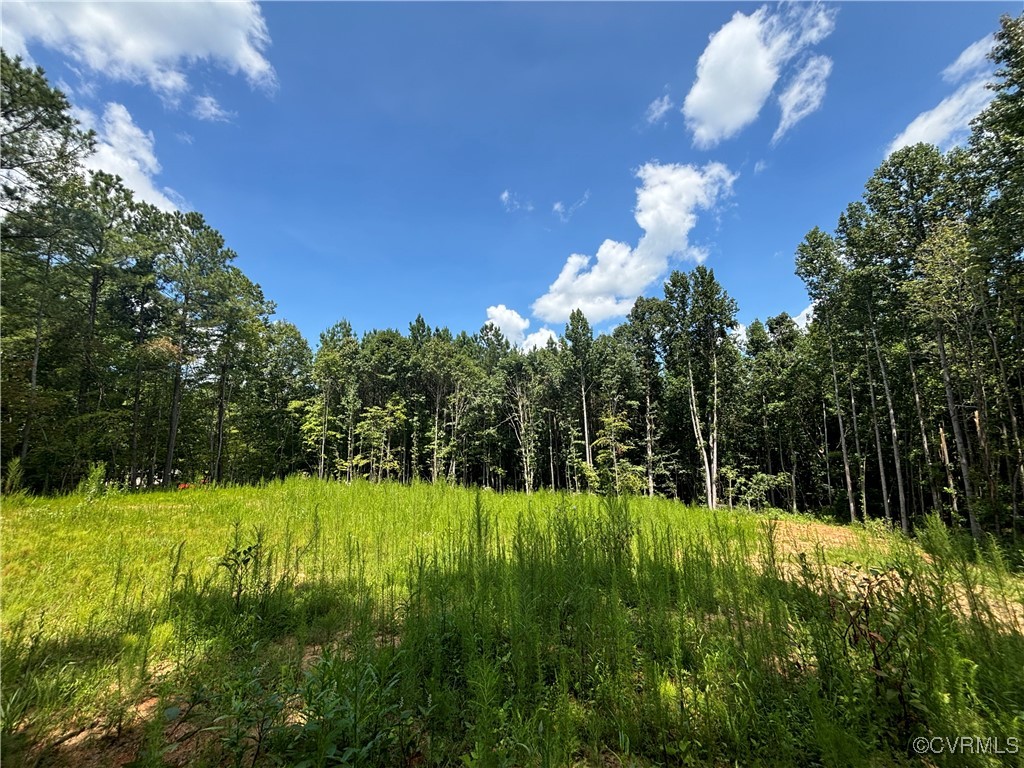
<point>312,624</point>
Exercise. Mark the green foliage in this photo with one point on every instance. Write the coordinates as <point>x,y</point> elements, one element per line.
<point>431,625</point>
<point>94,484</point>
<point>14,478</point>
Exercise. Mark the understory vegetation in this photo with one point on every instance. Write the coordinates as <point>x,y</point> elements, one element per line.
<point>312,624</point>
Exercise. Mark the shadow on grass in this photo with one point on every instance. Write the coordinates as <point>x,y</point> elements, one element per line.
<point>579,639</point>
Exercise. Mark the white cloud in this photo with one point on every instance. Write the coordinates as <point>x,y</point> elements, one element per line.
<point>666,206</point>
<point>948,123</point>
<point>124,149</point>
<point>739,333</point>
<point>511,324</point>
<point>208,108</point>
<point>741,64</point>
<point>804,94</point>
<point>510,200</point>
<point>971,61</point>
<point>142,42</point>
<point>760,166</point>
<point>804,318</point>
<point>657,109</point>
<point>538,339</point>
<point>513,327</point>
<point>563,213</point>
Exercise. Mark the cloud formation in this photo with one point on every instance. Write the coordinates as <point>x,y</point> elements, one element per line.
<point>513,327</point>
<point>972,61</point>
<point>949,122</point>
<point>208,108</point>
<point>151,43</point>
<point>563,213</point>
<point>666,206</point>
<point>804,94</point>
<point>125,150</point>
<point>741,65</point>
<point>804,318</point>
<point>657,109</point>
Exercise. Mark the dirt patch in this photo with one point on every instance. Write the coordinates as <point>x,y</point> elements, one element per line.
<point>793,536</point>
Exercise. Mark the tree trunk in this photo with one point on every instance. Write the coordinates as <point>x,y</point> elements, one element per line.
<point>893,434</point>
<point>586,428</point>
<point>133,472</point>
<point>323,431</point>
<point>699,437</point>
<point>172,435</point>
<point>878,445</point>
<point>958,435</point>
<point>861,460</point>
<point>714,435</point>
<point>86,375</point>
<point>36,344</point>
<point>828,470</point>
<point>936,498</point>
<point>649,425</point>
<point>222,406</point>
<point>842,436</point>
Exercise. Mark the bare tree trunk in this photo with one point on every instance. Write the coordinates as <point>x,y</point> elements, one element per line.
<point>878,445</point>
<point>828,470</point>
<point>893,433</point>
<point>861,460</point>
<point>699,437</point>
<point>936,498</point>
<point>714,436</point>
<point>586,427</point>
<point>950,483</point>
<point>172,435</point>
<point>649,425</point>
<point>323,432</point>
<point>842,436</point>
<point>222,407</point>
<point>551,449</point>
<point>958,435</point>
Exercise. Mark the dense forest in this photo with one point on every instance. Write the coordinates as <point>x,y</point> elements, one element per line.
<point>134,347</point>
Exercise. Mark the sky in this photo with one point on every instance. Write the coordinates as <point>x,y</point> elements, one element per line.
<point>509,162</point>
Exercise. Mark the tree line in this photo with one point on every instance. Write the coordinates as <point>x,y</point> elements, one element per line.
<point>131,339</point>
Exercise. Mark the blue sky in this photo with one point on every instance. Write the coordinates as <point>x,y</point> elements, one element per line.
<point>373,161</point>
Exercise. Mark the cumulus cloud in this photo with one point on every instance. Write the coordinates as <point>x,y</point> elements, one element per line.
<point>666,206</point>
<point>742,63</point>
<point>804,318</point>
<point>657,109</point>
<point>949,122</point>
<point>804,94</point>
<point>539,339</point>
<point>207,108</point>
<point>511,324</point>
<point>513,327</point>
<point>151,43</point>
<point>124,149</point>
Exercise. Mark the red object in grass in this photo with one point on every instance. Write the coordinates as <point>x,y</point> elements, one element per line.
<point>184,486</point>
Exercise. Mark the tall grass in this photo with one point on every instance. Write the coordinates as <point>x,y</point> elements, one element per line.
<point>321,624</point>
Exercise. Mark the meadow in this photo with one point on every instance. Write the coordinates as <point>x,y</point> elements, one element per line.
<point>304,623</point>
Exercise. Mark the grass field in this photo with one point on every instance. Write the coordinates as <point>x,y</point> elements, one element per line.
<point>313,624</point>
